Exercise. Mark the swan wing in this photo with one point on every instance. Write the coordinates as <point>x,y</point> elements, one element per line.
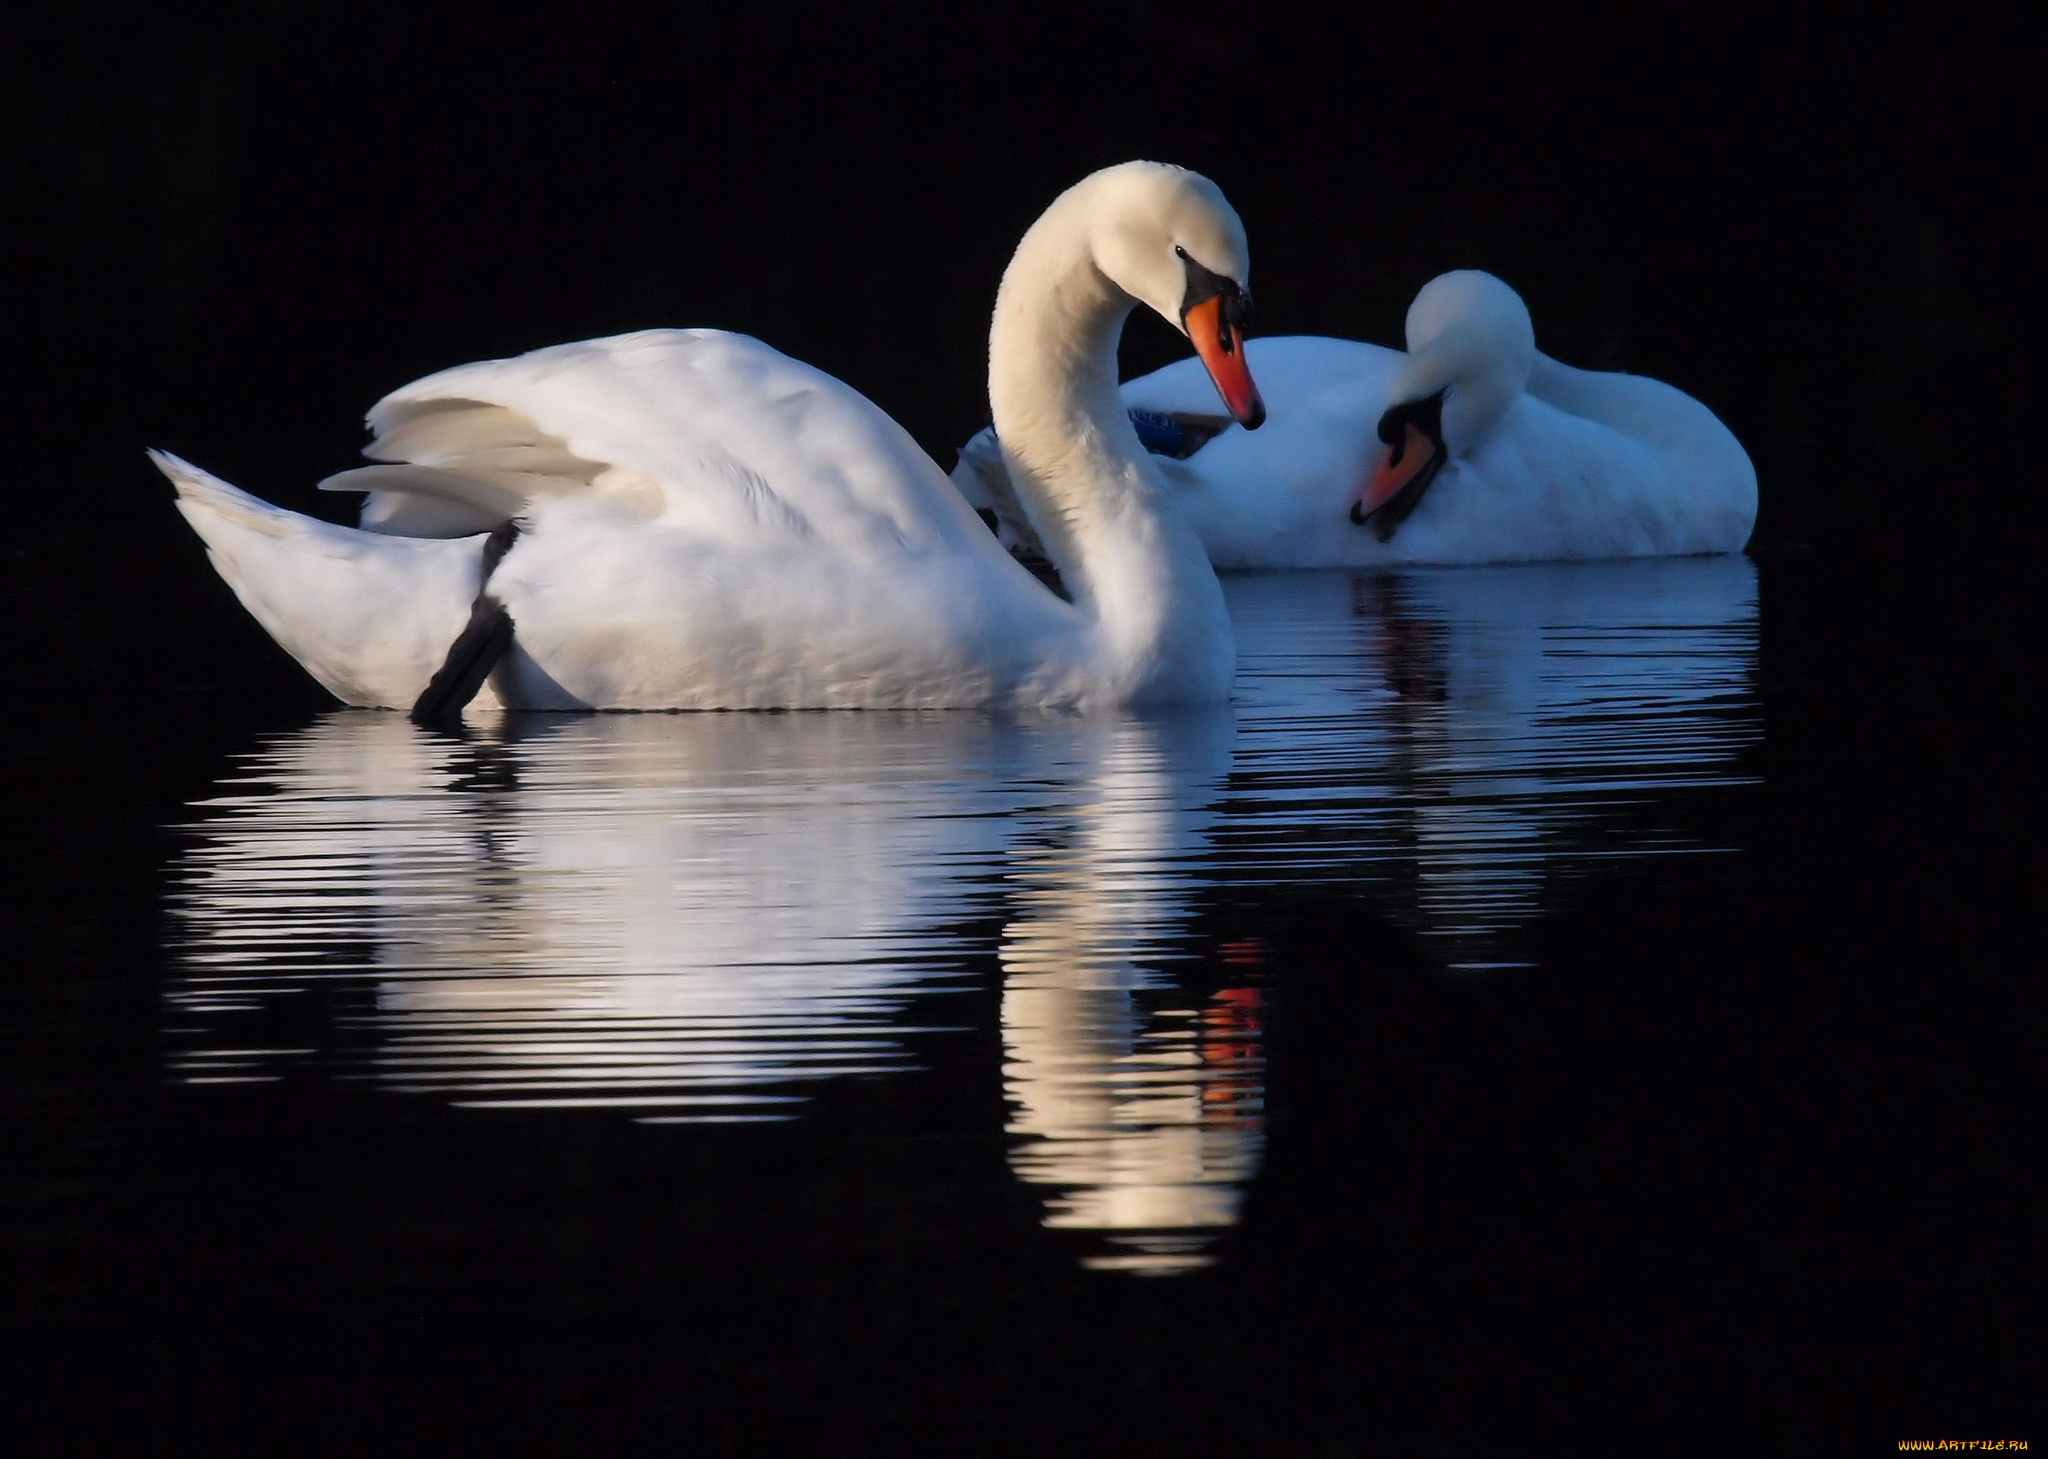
<point>1704,497</point>
<point>707,432</point>
<point>1552,483</point>
<point>983,480</point>
<point>716,525</point>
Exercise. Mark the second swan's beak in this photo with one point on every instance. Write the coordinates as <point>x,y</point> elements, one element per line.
<point>1414,437</point>
<point>1406,467</point>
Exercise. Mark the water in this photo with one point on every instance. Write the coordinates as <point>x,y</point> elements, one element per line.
<point>688,919</point>
<point>1545,992</point>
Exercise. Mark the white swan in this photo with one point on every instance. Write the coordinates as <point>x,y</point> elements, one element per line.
<point>712,525</point>
<point>1470,447</point>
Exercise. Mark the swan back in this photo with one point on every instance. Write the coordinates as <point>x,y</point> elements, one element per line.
<point>1711,494</point>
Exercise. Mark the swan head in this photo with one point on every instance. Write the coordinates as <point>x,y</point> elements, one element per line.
<point>1168,238</point>
<point>1471,346</point>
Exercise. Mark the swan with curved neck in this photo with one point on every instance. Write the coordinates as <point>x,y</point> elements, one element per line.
<point>707,523</point>
<point>1088,486</point>
<point>1470,349</point>
<point>1471,446</point>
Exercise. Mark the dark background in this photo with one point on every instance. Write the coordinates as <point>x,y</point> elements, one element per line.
<point>230,230</point>
<point>236,229</point>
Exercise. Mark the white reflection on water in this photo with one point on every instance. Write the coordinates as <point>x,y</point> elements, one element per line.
<point>1460,738</point>
<point>697,918</point>
<point>1141,1105</point>
<point>687,915</point>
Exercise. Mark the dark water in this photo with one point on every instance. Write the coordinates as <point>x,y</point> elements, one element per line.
<point>1551,1005</point>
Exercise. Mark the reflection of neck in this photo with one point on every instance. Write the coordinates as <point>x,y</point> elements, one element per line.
<point>1092,913</point>
<point>1122,547</point>
<point>1114,1093</point>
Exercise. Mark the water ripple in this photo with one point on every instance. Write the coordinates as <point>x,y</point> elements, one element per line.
<point>699,918</point>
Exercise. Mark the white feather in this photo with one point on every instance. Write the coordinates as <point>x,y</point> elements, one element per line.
<point>711,524</point>
<point>1546,461</point>
<point>369,616</point>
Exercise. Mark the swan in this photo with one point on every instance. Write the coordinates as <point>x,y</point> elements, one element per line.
<point>1470,447</point>
<point>688,519</point>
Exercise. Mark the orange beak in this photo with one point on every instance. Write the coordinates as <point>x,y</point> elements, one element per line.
<point>1403,474</point>
<point>1221,349</point>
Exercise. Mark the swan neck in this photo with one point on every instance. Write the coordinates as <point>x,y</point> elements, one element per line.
<point>1481,374</point>
<point>1124,551</point>
<point>1053,386</point>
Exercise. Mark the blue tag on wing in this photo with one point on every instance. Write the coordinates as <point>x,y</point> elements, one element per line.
<point>1174,435</point>
<point>1162,435</point>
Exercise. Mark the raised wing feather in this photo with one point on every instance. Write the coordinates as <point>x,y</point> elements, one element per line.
<point>710,432</point>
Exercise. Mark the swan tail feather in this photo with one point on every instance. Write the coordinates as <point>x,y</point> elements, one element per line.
<point>203,496</point>
<point>368,616</point>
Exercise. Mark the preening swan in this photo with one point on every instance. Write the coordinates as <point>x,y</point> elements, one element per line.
<point>709,524</point>
<point>1470,447</point>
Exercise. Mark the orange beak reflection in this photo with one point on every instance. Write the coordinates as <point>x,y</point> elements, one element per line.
<point>1221,349</point>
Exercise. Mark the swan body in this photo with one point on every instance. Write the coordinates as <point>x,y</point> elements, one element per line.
<point>1542,461</point>
<point>709,524</point>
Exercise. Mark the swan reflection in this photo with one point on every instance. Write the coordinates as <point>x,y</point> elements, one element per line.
<point>1469,740</point>
<point>1140,1106</point>
<point>679,917</point>
<point>697,918</point>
